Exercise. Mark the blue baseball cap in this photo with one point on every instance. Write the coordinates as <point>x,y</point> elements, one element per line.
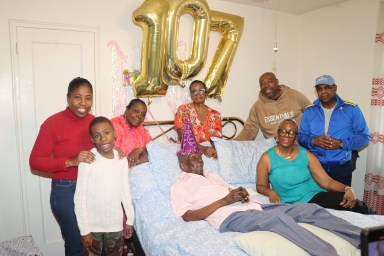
<point>325,79</point>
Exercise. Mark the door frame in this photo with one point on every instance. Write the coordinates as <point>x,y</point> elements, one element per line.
<point>21,158</point>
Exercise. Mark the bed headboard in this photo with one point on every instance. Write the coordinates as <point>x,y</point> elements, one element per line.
<point>231,126</point>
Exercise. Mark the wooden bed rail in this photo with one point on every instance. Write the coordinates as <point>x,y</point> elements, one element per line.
<point>232,121</point>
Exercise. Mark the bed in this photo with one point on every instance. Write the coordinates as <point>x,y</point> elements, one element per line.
<point>19,246</point>
<point>161,233</point>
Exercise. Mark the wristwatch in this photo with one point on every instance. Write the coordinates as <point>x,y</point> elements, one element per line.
<point>341,144</point>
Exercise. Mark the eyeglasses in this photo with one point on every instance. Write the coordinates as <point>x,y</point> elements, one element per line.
<point>283,132</point>
<point>198,91</point>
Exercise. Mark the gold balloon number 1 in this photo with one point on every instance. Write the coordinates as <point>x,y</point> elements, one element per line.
<point>159,20</point>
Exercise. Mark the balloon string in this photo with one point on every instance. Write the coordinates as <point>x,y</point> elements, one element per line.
<point>161,129</point>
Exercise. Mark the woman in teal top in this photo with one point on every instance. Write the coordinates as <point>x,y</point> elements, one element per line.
<point>289,173</point>
<point>291,179</point>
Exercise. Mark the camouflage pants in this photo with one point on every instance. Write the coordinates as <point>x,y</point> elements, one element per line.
<point>113,243</point>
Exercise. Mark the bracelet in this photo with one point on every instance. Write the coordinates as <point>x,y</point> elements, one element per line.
<point>347,187</point>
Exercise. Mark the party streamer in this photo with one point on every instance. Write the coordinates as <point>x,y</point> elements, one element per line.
<point>120,94</point>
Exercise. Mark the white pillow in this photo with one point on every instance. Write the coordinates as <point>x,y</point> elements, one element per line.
<point>258,243</point>
<point>238,159</point>
<point>165,165</point>
<point>342,246</point>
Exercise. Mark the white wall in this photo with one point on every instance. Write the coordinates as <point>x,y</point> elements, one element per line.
<point>339,40</point>
<point>298,61</point>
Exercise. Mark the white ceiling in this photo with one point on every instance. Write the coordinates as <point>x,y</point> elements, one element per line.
<point>289,6</point>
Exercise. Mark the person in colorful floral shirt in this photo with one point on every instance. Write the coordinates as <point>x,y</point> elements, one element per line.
<point>131,136</point>
<point>206,122</point>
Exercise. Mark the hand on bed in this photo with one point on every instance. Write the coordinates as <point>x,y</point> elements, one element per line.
<point>273,196</point>
<point>134,157</point>
<point>128,231</point>
<point>349,199</point>
<point>87,240</point>
<point>239,194</point>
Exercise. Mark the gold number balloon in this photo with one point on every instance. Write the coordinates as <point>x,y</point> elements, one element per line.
<point>159,20</point>
<point>151,17</point>
<point>200,12</point>
<point>231,28</point>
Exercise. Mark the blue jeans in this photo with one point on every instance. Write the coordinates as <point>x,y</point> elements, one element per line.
<point>341,173</point>
<point>63,207</point>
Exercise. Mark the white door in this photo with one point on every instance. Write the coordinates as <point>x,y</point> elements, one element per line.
<point>45,59</point>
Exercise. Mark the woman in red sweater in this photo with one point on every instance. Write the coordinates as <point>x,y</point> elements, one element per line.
<point>62,143</point>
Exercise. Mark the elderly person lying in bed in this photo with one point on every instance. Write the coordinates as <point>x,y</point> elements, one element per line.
<point>199,195</point>
<point>296,175</point>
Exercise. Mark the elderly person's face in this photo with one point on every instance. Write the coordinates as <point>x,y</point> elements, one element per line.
<point>287,132</point>
<point>269,86</point>
<point>192,163</point>
<point>135,115</point>
<point>198,93</point>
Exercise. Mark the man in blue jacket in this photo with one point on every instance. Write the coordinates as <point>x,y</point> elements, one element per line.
<point>331,128</point>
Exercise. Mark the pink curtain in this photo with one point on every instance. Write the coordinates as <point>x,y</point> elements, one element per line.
<point>374,176</point>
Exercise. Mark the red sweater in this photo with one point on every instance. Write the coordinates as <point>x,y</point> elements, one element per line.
<point>61,137</point>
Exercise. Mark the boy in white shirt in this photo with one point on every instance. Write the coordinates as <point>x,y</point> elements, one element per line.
<point>102,187</point>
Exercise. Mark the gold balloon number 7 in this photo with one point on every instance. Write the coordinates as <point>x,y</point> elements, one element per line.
<point>159,20</point>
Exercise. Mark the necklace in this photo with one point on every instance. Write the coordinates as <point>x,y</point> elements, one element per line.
<point>286,157</point>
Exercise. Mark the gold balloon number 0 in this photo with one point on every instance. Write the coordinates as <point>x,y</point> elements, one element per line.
<point>159,20</point>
